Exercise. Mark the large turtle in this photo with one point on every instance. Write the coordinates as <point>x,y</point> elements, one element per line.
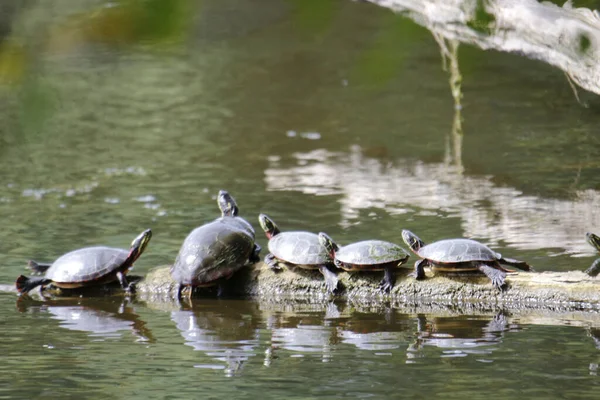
<point>87,266</point>
<point>594,240</point>
<point>368,255</point>
<point>460,255</point>
<point>299,249</point>
<point>216,249</point>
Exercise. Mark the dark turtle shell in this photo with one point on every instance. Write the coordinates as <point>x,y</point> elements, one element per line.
<point>299,248</point>
<point>370,252</point>
<point>214,250</point>
<point>457,251</point>
<point>86,265</point>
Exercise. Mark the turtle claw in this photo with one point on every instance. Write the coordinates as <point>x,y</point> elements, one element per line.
<point>331,279</point>
<point>332,287</point>
<point>499,284</point>
<point>272,262</point>
<point>387,283</point>
<point>385,286</point>
<point>415,275</point>
<point>497,276</point>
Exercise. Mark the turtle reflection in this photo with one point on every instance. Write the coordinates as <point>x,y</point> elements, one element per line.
<point>459,336</point>
<point>226,331</point>
<point>308,330</point>
<point>100,318</point>
<point>368,331</point>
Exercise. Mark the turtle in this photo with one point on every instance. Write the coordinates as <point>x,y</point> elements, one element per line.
<point>297,249</point>
<point>368,255</point>
<point>460,255</point>
<point>594,240</point>
<point>86,267</point>
<point>216,249</point>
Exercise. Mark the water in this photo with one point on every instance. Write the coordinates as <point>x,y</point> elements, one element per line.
<point>91,349</point>
<point>115,118</point>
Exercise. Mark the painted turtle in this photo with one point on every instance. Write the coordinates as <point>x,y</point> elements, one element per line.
<point>299,249</point>
<point>594,240</point>
<point>460,255</point>
<point>368,255</point>
<point>216,249</point>
<point>87,266</point>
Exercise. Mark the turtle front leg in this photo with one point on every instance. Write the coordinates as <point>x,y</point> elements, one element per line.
<point>331,279</point>
<point>128,287</point>
<point>522,265</point>
<point>255,256</point>
<point>497,276</point>
<point>419,272</point>
<point>272,262</point>
<point>389,278</point>
<point>594,269</point>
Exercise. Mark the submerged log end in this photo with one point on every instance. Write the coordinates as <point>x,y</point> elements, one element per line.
<point>572,289</point>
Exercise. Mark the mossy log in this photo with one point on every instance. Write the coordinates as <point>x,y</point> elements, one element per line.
<point>572,290</point>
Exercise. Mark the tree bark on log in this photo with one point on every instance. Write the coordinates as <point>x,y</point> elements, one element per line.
<point>565,37</point>
<point>572,290</point>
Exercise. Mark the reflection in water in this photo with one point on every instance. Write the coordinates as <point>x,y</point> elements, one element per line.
<point>486,210</point>
<point>304,338</point>
<point>368,331</point>
<point>460,336</point>
<point>227,334</point>
<point>101,318</point>
<point>302,333</point>
<point>454,141</point>
<point>565,37</point>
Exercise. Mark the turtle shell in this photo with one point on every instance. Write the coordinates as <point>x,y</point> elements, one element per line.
<point>370,252</point>
<point>214,250</point>
<point>299,248</point>
<point>457,251</point>
<point>87,264</point>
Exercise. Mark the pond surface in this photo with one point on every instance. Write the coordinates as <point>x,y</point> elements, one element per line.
<point>329,116</point>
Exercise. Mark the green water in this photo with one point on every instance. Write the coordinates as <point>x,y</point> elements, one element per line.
<point>332,116</point>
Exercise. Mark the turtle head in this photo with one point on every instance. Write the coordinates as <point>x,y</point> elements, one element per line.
<point>268,226</point>
<point>139,244</point>
<point>594,240</point>
<point>227,204</point>
<point>412,240</point>
<point>328,243</point>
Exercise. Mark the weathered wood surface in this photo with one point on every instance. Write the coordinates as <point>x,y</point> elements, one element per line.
<point>572,290</point>
<point>565,37</point>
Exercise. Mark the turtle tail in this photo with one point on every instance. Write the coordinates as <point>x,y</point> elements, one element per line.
<point>38,267</point>
<point>25,284</point>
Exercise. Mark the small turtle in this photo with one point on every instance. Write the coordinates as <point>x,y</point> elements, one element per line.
<point>216,249</point>
<point>594,240</point>
<point>299,249</point>
<point>460,255</point>
<point>368,255</point>
<point>86,267</point>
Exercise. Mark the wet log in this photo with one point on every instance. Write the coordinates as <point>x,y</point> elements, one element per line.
<point>565,37</point>
<point>563,291</point>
